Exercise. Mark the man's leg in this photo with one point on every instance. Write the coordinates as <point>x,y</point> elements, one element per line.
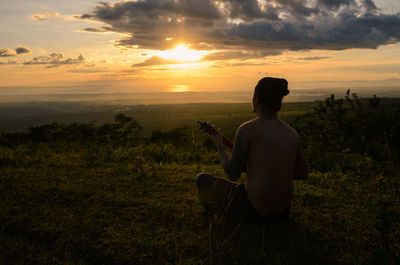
<point>213,192</point>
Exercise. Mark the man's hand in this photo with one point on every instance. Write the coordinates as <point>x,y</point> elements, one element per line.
<point>219,142</point>
<point>218,139</point>
<point>232,166</point>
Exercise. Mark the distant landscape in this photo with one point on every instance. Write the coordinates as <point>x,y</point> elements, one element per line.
<point>19,117</point>
<point>153,110</point>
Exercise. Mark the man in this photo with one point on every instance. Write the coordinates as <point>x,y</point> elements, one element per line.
<point>269,150</point>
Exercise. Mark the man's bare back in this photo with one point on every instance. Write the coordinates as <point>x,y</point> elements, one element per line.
<point>271,147</point>
<point>268,150</point>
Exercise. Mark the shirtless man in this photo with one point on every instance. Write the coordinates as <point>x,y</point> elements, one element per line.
<point>269,150</point>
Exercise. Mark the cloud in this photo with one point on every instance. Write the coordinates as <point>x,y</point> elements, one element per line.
<point>313,58</point>
<point>45,15</point>
<point>248,25</point>
<point>98,30</point>
<point>156,60</point>
<point>42,51</point>
<point>55,60</point>
<point>8,62</point>
<point>130,71</point>
<point>22,50</point>
<point>244,55</point>
<point>335,4</point>
<point>375,68</point>
<point>88,70</point>
<point>223,64</point>
<point>6,52</point>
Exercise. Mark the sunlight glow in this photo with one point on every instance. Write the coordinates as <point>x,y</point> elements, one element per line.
<point>182,53</point>
<point>186,66</point>
<point>180,88</point>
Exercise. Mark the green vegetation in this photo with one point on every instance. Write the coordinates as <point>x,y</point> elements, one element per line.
<point>109,193</point>
<point>152,117</point>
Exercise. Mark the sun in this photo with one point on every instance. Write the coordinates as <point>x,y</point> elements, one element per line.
<point>180,88</point>
<point>183,54</point>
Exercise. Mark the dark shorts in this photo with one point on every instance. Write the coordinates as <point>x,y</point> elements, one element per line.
<point>239,206</point>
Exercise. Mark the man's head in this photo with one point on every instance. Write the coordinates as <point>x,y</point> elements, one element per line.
<point>269,92</point>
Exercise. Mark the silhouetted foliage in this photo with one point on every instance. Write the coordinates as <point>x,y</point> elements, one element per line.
<point>124,131</point>
<point>350,128</point>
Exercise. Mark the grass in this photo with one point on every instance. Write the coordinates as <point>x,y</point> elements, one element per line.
<point>70,203</point>
<point>57,208</point>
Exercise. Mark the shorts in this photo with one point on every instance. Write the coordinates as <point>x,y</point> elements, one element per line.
<point>240,207</point>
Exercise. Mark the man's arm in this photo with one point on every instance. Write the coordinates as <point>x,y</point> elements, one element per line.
<point>233,166</point>
<point>300,165</point>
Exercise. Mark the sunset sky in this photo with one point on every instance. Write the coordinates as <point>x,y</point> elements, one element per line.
<point>87,46</point>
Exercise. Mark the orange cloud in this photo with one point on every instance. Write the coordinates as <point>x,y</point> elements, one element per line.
<point>45,15</point>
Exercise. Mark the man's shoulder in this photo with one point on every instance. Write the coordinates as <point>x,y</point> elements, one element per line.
<point>248,124</point>
<point>245,129</point>
<point>292,132</point>
<point>253,126</point>
<point>288,127</point>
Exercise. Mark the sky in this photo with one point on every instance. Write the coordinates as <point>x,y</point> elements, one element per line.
<point>87,46</point>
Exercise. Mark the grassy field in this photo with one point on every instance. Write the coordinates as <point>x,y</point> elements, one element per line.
<point>104,203</point>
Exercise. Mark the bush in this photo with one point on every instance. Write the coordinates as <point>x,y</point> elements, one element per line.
<point>363,126</point>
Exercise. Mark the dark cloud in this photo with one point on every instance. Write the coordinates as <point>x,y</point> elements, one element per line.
<point>342,32</point>
<point>370,6</point>
<point>22,50</point>
<point>98,30</point>
<point>249,10</point>
<point>84,16</point>
<point>296,9</point>
<point>335,4</point>
<point>156,60</point>
<point>55,60</point>
<point>6,52</point>
<point>313,58</point>
<point>249,25</point>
